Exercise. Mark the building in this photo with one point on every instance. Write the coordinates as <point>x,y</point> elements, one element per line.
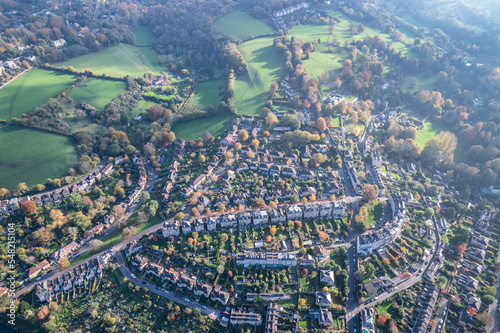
<point>294,213</point>
<point>376,159</point>
<point>272,315</point>
<point>278,216</point>
<point>133,247</point>
<point>325,210</point>
<point>468,282</point>
<point>260,217</point>
<point>187,227</point>
<point>323,299</point>
<point>325,318</point>
<point>202,289</point>
<point>327,277</point>
<point>367,320</point>
<point>266,259</point>
<point>38,268</point>
<point>479,241</point>
<point>211,223</point>
<point>339,209</point>
<point>218,295</point>
<point>311,211</point>
<point>242,316</point>
<point>442,226</point>
<point>228,221</point>
<point>424,306</point>
<point>140,262</point>
<point>92,233</point>
<point>171,228</point>
<point>65,250</point>
<point>186,281</point>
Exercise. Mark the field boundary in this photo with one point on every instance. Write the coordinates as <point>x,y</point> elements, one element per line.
<point>16,77</point>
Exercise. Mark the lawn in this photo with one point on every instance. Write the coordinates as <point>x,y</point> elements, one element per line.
<point>242,25</point>
<point>264,67</point>
<point>195,129</point>
<point>97,92</point>
<point>118,61</point>
<point>143,106</point>
<point>208,93</point>
<point>30,90</point>
<point>35,156</point>
<point>429,131</point>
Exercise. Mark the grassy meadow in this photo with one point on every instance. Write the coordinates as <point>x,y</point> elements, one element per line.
<point>242,25</point>
<point>32,156</point>
<point>264,67</point>
<point>30,90</point>
<point>97,92</point>
<point>321,60</point>
<point>195,129</point>
<point>208,93</point>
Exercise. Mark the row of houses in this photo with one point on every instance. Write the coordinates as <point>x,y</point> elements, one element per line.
<point>56,196</point>
<point>424,307</point>
<point>256,218</point>
<point>379,238</point>
<point>82,276</point>
<point>191,283</point>
<point>353,178</point>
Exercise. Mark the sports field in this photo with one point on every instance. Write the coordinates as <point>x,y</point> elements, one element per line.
<point>242,25</point>
<point>32,156</point>
<point>97,92</point>
<point>195,129</point>
<point>118,61</point>
<point>208,93</point>
<point>264,67</point>
<point>30,90</point>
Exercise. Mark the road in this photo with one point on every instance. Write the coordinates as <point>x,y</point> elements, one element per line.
<point>212,313</point>
<point>440,319</point>
<point>352,312</point>
<point>495,328</point>
<point>55,273</point>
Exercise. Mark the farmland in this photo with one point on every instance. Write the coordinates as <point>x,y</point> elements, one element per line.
<point>34,157</point>
<point>195,129</point>
<point>208,93</point>
<point>97,92</point>
<point>242,25</point>
<point>31,90</point>
<point>264,67</point>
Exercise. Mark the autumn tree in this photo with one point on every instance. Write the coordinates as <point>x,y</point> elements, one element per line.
<point>269,238</point>
<point>271,119</point>
<point>63,262</point>
<point>273,231</point>
<point>370,193</point>
<point>155,112</point>
<point>243,135</point>
<point>179,216</point>
<point>29,208</point>
<point>321,124</point>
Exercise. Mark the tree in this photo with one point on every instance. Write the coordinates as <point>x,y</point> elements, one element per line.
<point>63,262</point>
<point>228,156</point>
<point>322,236</point>
<point>21,188</point>
<point>201,159</point>
<point>224,237</point>
<point>29,208</point>
<point>271,119</point>
<point>369,269</point>
<point>127,232</point>
<point>302,301</point>
<point>428,212</point>
<point>23,307</point>
<point>179,216</point>
<point>243,135</point>
<point>273,230</point>
<point>321,125</point>
<point>488,299</point>
<point>82,221</point>
<point>305,272</point>
<point>269,238</point>
<point>96,245</point>
<point>370,193</point>
<point>42,236</point>
<point>155,112</point>
<point>255,143</point>
<point>381,319</point>
<point>220,269</point>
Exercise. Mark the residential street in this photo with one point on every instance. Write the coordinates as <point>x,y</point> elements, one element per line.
<point>212,313</point>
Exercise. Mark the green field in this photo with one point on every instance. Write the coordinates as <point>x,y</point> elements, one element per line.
<point>321,60</point>
<point>30,90</point>
<point>429,131</point>
<point>208,93</point>
<point>195,129</point>
<point>264,67</point>
<point>118,61</point>
<point>97,92</point>
<point>242,25</point>
<point>32,156</point>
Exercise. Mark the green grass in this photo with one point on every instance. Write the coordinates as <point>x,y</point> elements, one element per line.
<point>30,90</point>
<point>384,307</point>
<point>143,106</point>
<point>208,93</point>
<point>429,131</point>
<point>195,129</point>
<point>118,61</point>
<point>264,67</point>
<point>321,60</point>
<point>31,156</point>
<point>242,25</point>
<point>97,92</point>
